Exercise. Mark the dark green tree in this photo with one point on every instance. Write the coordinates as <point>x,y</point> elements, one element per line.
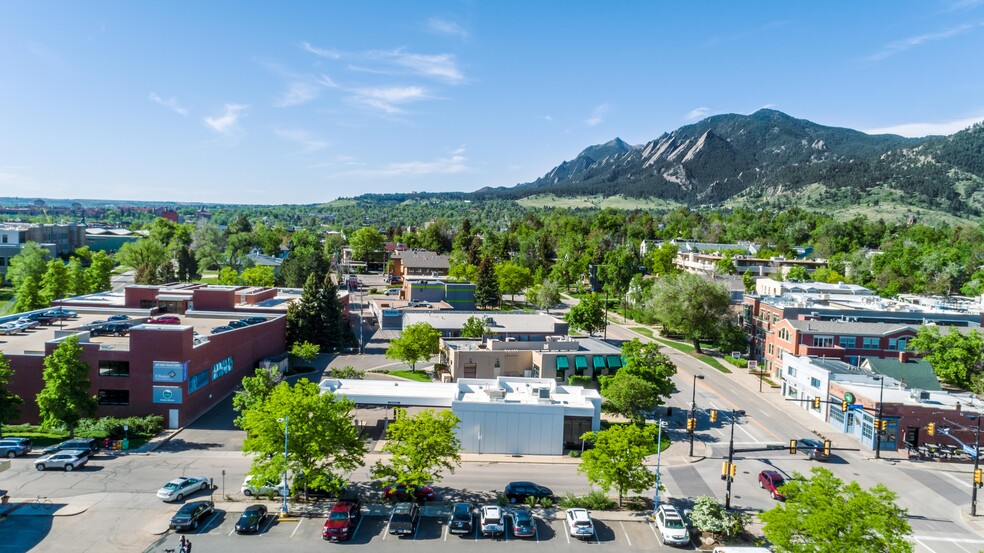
<point>55,282</point>
<point>421,448</point>
<point>99,273</point>
<point>588,314</point>
<point>27,268</point>
<point>65,399</point>
<point>474,327</point>
<point>417,342</point>
<point>487,293</point>
<point>690,305</point>
<point>9,402</point>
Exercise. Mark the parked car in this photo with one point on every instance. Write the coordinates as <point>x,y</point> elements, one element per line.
<point>63,313</point>
<point>579,524</point>
<point>251,519</point>
<point>23,442</point>
<point>812,449</point>
<point>220,329</point>
<point>771,481</point>
<point>342,520</point>
<point>12,328</point>
<point>68,460</point>
<point>402,493</point>
<point>403,520</point>
<point>11,449</point>
<point>392,292</point>
<point>517,492</point>
<point>491,520</point>
<point>671,526</point>
<point>115,329</point>
<point>237,324</point>
<point>179,488</point>
<point>165,320</point>
<point>254,320</point>
<point>418,303</point>
<point>87,444</point>
<point>394,280</point>
<point>190,515</point>
<point>268,487</point>
<point>118,318</point>
<point>461,519</point>
<point>523,525</point>
<point>28,322</point>
<point>44,318</point>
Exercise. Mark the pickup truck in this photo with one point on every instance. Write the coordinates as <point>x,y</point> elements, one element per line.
<point>492,524</point>
<point>403,521</point>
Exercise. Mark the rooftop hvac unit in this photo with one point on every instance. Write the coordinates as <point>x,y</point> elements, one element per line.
<point>543,393</point>
<point>496,395</point>
<point>920,395</point>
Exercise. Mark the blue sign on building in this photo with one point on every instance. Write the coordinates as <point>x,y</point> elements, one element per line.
<point>167,394</point>
<point>170,371</point>
<point>197,381</point>
<point>222,368</point>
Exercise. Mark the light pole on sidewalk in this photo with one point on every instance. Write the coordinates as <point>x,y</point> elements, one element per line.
<point>729,468</point>
<point>659,453</point>
<point>692,421</point>
<point>881,421</point>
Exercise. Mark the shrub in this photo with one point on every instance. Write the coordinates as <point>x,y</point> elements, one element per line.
<point>596,501</point>
<point>546,503</point>
<point>501,500</point>
<point>740,362</point>
<point>348,372</point>
<point>710,516</point>
<point>531,502</point>
<point>577,380</point>
<point>112,427</point>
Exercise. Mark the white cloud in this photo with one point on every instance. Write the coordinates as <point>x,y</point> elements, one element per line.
<point>597,115</point>
<point>298,92</point>
<point>308,142</point>
<point>170,103</point>
<point>918,40</point>
<point>446,27</point>
<point>443,67</point>
<point>546,118</point>
<point>697,113</point>
<point>926,129</point>
<point>455,164</point>
<point>227,123</point>
<point>388,99</point>
<point>320,52</point>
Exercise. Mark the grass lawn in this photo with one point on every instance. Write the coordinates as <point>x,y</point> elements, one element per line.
<point>689,350</point>
<point>120,270</point>
<point>644,331</point>
<point>419,376</point>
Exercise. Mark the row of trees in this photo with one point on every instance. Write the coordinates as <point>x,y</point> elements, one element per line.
<point>38,279</point>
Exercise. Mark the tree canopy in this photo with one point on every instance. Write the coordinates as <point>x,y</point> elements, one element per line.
<point>421,448</point>
<point>487,285</point>
<point>417,342</point>
<point>9,402</point>
<point>642,384</point>
<point>588,314</point>
<point>690,305</point>
<point>474,327</point>
<point>956,357</point>
<point>65,399</point>
<point>618,457</point>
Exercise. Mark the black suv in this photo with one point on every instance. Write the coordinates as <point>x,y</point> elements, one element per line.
<point>116,329</point>
<point>254,320</point>
<point>89,445</point>
<point>517,492</point>
<point>461,519</point>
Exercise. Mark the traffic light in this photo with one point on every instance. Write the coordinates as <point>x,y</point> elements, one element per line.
<point>692,424</point>
<point>931,429</point>
<point>733,471</point>
<point>816,403</point>
<point>792,447</point>
<point>884,425</point>
<point>728,470</point>
<point>878,425</point>
<point>979,477</point>
<point>714,415</point>
<point>826,448</point>
<point>844,405</point>
<point>724,470</point>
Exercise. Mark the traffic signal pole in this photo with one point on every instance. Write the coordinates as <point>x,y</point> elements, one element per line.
<point>977,464</point>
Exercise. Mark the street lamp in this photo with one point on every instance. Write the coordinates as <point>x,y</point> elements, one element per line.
<point>659,453</point>
<point>731,456</point>
<point>977,464</point>
<point>878,436</point>
<point>283,491</point>
<point>691,426</point>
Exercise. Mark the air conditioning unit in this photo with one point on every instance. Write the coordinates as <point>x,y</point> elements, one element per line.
<point>543,393</point>
<point>919,395</point>
<point>496,395</point>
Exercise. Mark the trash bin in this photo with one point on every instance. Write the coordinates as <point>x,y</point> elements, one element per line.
<point>125,444</point>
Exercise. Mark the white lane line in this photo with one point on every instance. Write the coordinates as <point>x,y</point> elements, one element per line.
<point>387,531</point>
<point>447,531</point>
<point>948,540</point>
<point>746,433</point>
<point>297,527</point>
<point>356,531</point>
<point>568,536</point>
<point>269,524</point>
<point>963,483</point>
<point>231,531</point>
<point>931,550</point>
<point>204,529</point>
<point>416,529</point>
<point>653,528</point>
<point>624,531</point>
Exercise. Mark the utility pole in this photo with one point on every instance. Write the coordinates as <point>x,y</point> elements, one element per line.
<point>880,422</point>
<point>729,469</point>
<point>692,420</point>
<point>977,464</point>
<point>659,453</point>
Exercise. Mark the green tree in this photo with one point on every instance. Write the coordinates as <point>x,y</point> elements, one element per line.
<point>27,268</point>
<point>255,390</point>
<point>9,402</point>
<point>150,260</point>
<point>587,315</point>
<point>798,274</point>
<point>513,278</point>
<point>54,283</point>
<point>748,280</point>
<point>660,260</point>
<point>474,327</point>
<point>229,277</point>
<point>305,351</point>
<point>364,242</point>
<point>690,305</point>
<point>259,276</point>
<point>956,357</point>
<point>618,458</point>
<point>207,243</point>
<point>487,285</point>
<point>417,342</point>
<point>318,317</point>
<point>323,442</point>
<point>823,515</point>
<point>545,295</point>
<point>421,448</point>
<point>710,516</point>
<point>642,384</point>
<point>64,399</point>
<point>76,277</point>
<point>99,273</point>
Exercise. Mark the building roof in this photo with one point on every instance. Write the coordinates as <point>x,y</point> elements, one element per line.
<point>893,394</point>
<point>849,327</point>
<point>915,373</point>
<point>498,323</point>
<point>422,259</point>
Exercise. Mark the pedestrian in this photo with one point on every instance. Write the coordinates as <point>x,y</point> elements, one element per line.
<point>185,545</point>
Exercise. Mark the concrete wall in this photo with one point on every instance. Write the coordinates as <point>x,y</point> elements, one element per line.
<point>510,429</point>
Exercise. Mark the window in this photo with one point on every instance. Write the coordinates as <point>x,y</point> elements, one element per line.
<point>815,382</point>
<point>823,341</point>
<point>5,238</point>
<point>224,367</point>
<point>780,352</point>
<point>791,392</point>
<point>772,348</point>
<point>791,371</point>
<point>897,344</point>
<point>871,343</point>
<point>848,342</point>
<point>784,334</point>
<point>114,397</point>
<point>114,368</point>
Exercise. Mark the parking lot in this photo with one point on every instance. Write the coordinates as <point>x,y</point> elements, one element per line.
<point>304,534</point>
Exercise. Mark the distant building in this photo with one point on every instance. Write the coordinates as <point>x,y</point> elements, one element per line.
<point>111,240</point>
<point>58,239</point>
<point>419,263</point>
<point>519,326</point>
<point>702,258</point>
<point>556,357</point>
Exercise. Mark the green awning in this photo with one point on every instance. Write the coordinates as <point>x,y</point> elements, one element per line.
<point>580,362</point>
<point>598,362</point>
<point>614,362</point>
<point>562,363</point>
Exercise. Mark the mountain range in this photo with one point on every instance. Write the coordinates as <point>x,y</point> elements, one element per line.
<point>769,157</point>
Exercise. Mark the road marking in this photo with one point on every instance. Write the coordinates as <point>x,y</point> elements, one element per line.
<point>733,405</point>
<point>269,524</point>
<point>963,483</point>
<point>204,528</point>
<point>231,531</point>
<point>387,531</point>
<point>536,531</point>
<point>948,540</point>
<point>356,531</point>
<point>447,530</point>
<point>567,534</point>
<point>653,528</point>
<point>747,433</point>
<point>931,550</point>
<point>297,527</point>
<point>624,531</point>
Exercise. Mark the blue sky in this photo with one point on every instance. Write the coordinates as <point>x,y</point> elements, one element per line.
<point>304,102</point>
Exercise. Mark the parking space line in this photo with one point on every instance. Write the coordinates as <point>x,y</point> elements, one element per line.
<point>204,528</point>
<point>416,529</point>
<point>447,530</point>
<point>269,524</point>
<point>624,531</point>
<point>356,531</point>
<point>568,535</point>
<point>299,521</point>
<point>387,531</point>
<point>653,528</point>
<point>476,533</point>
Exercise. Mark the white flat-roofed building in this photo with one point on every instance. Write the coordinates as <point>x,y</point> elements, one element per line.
<point>521,326</point>
<point>505,415</point>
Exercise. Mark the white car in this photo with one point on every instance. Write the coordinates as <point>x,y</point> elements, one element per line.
<point>179,488</point>
<point>12,328</point>
<point>392,292</point>
<point>28,323</point>
<point>672,527</point>
<point>579,524</point>
<point>267,488</point>
<point>491,519</point>
<point>68,460</point>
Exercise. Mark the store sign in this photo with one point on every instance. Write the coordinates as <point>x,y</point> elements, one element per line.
<point>167,394</point>
<point>170,371</point>
<point>391,312</point>
<point>222,368</point>
<point>849,397</point>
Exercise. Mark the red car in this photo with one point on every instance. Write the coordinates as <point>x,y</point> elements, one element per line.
<point>771,480</point>
<point>165,320</point>
<point>394,280</point>
<point>342,520</point>
<point>403,493</point>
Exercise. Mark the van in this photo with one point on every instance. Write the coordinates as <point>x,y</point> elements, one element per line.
<point>740,549</point>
